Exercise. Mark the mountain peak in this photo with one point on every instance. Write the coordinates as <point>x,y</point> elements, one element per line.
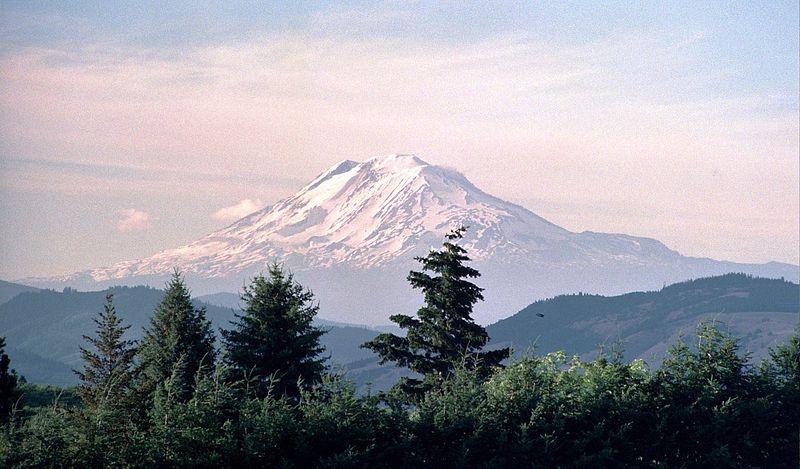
<point>395,162</point>
<point>339,168</point>
<point>385,165</point>
<point>384,210</point>
<point>362,224</point>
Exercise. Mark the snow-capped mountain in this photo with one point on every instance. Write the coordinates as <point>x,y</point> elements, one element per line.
<point>351,235</point>
<point>362,215</point>
<point>374,213</point>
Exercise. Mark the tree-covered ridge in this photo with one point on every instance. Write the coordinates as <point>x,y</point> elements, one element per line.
<point>9,290</point>
<point>731,292</point>
<point>580,322</point>
<point>45,328</point>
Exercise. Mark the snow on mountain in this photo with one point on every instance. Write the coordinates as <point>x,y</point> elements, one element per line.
<point>353,232</point>
<point>373,213</point>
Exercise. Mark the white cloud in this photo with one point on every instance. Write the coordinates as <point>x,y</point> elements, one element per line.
<point>237,211</point>
<point>133,220</point>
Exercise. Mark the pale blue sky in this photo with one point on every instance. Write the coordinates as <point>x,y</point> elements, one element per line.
<point>125,126</point>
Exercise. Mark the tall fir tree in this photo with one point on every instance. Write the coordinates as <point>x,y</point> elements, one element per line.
<point>274,342</point>
<point>178,333</point>
<point>108,364</point>
<point>443,336</point>
<point>106,391</point>
<point>8,383</point>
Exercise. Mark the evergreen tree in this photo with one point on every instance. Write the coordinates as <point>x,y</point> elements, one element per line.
<point>274,342</point>
<point>443,335</point>
<point>178,332</point>
<point>786,363</point>
<point>782,376</point>
<point>107,373</point>
<point>8,383</point>
<point>105,389</point>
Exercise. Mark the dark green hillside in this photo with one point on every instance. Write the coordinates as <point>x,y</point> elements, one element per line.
<point>760,311</point>
<point>45,329</point>
<point>342,343</point>
<point>233,300</point>
<point>9,290</point>
<point>223,299</point>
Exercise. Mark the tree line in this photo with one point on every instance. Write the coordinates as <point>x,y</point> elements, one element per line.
<point>265,396</point>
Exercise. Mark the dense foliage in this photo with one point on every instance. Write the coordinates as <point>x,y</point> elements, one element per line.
<point>706,406</point>
<point>177,406</point>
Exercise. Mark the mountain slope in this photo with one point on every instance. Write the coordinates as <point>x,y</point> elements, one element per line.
<point>44,329</point>
<point>9,290</point>
<point>762,312</point>
<point>49,325</point>
<point>352,233</point>
<point>361,215</point>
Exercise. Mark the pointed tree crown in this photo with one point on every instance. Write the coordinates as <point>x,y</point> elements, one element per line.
<point>274,344</point>
<point>108,362</point>
<point>178,332</point>
<point>443,334</point>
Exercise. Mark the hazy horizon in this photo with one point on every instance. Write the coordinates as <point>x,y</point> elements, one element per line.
<point>127,129</point>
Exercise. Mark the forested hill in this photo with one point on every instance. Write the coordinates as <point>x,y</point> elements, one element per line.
<point>9,290</point>
<point>44,329</point>
<point>762,312</point>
